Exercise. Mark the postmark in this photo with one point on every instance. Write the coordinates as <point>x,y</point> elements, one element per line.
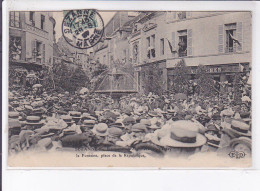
<point>83,28</point>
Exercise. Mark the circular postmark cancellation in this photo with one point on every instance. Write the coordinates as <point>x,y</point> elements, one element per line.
<point>82,28</point>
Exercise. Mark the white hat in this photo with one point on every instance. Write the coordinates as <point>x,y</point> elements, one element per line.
<point>100,129</point>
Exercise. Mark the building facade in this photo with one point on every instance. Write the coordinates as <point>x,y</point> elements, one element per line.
<point>31,40</point>
<point>220,41</point>
<point>115,46</point>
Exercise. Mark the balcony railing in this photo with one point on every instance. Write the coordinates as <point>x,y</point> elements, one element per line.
<point>182,53</point>
<point>230,49</point>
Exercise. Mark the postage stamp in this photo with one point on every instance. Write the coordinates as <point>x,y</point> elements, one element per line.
<point>82,28</point>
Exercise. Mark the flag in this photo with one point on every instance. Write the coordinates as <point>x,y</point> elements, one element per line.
<point>172,51</point>
<point>234,39</point>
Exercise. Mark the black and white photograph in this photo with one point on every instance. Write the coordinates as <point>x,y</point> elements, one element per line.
<point>96,88</point>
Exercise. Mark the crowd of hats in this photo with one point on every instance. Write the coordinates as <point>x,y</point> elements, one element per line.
<point>137,124</point>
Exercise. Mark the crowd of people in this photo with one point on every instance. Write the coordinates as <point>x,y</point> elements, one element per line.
<point>169,124</point>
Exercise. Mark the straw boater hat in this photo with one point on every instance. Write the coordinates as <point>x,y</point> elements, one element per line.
<point>115,132</point>
<point>100,129</point>
<point>128,120</point>
<point>182,134</point>
<point>153,114</point>
<point>138,128</point>
<point>14,127</point>
<point>87,116</point>
<point>240,127</point>
<point>245,116</point>
<point>34,121</point>
<point>67,119</point>
<point>87,124</point>
<point>14,115</point>
<point>118,123</point>
<point>76,116</point>
<point>146,122</point>
<point>241,140</point>
<point>212,140</point>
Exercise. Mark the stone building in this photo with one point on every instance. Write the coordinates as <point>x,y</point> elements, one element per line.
<point>220,41</point>
<point>31,39</point>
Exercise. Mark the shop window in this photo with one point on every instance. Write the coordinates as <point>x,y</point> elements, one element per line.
<point>32,18</point>
<point>230,32</point>
<point>15,48</point>
<point>42,22</point>
<point>182,43</point>
<point>14,19</point>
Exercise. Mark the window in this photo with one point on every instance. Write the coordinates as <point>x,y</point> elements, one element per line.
<point>148,44</point>
<point>42,22</point>
<point>14,19</point>
<point>151,46</point>
<point>136,53</point>
<point>162,46</point>
<point>182,15</point>
<point>230,32</point>
<point>182,43</point>
<point>15,48</point>
<point>32,18</point>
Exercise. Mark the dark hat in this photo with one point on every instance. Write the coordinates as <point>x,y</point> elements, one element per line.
<point>129,120</point>
<point>212,127</point>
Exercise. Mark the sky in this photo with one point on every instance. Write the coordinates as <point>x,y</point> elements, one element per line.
<point>58,16</point>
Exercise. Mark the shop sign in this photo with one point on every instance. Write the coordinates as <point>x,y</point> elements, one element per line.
<point>210,69</point>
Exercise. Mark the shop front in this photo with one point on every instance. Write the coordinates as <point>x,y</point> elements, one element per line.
<point>151,75</point>
<point>222,73</point>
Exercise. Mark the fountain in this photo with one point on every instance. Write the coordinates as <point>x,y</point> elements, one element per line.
<point>117,84</point>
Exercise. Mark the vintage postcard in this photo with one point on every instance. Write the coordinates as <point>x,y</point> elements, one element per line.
<point>95,88</point>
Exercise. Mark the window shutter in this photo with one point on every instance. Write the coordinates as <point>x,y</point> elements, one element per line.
<point>189,42</point>
<point>174,15</point>
<point>239,36</point>
<point>43,53</point>
<point>173,44</point>
<point>27,17</point>
<point>220,38</point>
<point>33,49</point>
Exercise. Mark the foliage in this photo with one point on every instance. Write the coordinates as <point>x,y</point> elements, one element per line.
<point>237,84</point>
<point>205,82</point>
<point>181,78</point>
<point>67,78</point>
<point>152,79</point>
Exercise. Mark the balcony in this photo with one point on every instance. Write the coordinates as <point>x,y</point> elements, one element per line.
<point>182,53</point>
<point>36,30</point>
<point>230,49</point>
